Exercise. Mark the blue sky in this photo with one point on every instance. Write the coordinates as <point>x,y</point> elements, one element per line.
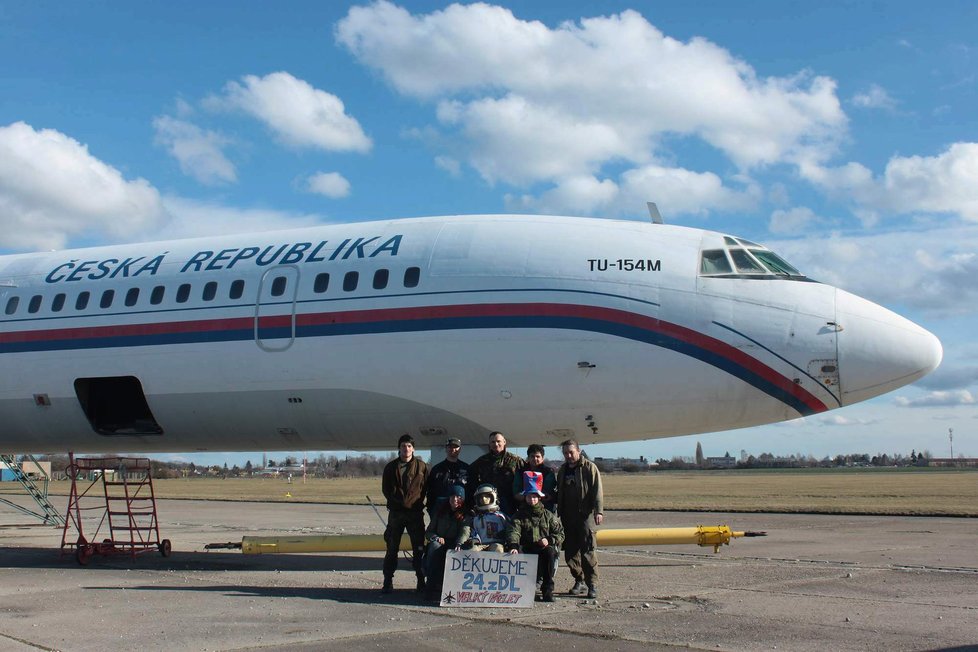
<point>843,134</point>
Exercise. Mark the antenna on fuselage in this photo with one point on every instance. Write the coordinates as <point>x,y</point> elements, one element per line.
<point>654,212</point>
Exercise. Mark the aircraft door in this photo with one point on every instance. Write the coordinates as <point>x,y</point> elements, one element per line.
<point>826,369</point>
<point>275,308</point>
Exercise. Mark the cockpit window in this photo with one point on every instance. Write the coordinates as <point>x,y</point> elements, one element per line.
<point>745,263</point>
<point>740,258</point>
<point>714,261</point>
<point>775,262</point>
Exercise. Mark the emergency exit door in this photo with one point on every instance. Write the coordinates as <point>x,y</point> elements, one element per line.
<point>275,308</point>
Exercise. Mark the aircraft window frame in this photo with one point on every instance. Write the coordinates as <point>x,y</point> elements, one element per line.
<point>58,302</point>
<point>34,305</point>
<point>105,301</point>
<point>279,285</point>
<point>183,293</point>
<point>237,288</point>
<point>748,244</point>
<point>750,264</point>
<point>412,277</point>
<point>209,292</point>
<point>774,262</point>
<point>722,255</point>
<point>12,304</point>
<point>321,283</point>
<point>82,300</point>
<point>132,297</point>
<point>350,281</point>
<point>381,279</point>
<point>157,295</point>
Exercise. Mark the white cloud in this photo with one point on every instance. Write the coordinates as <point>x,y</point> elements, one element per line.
<point>199,152</point>
<point>193,219</point>
<point>301,115</point>
<point>449,164</point>
<point>531,104</point>
<point>681,190</point>
<point>840,420</point>
<point>946,183</point>
<point>52,188</point>
<point>875,97</point>
<point>950,378</point>
<point>330,184</point>
<point>792,220</point>
<point>934,270</point>
<point>937,399</point>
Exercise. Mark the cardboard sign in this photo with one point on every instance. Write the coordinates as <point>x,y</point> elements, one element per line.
<point>488,579</point>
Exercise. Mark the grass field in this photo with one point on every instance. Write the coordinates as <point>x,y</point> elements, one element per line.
<point>859,491</point>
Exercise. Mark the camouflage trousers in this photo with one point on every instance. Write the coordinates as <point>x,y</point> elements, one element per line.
<point>580,550</point>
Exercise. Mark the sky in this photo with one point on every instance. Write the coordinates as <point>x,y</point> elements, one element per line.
<point>844,135</point>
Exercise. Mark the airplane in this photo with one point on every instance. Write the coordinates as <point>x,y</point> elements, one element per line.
<point>344,337</point>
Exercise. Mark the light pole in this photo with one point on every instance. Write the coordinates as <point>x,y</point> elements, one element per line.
<point>950,438</point>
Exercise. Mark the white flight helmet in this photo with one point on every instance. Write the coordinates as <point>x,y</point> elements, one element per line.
<point>485,498</point>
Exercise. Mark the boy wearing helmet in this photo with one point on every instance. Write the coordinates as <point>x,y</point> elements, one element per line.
<point>485,525</point>
<point>535,530</point>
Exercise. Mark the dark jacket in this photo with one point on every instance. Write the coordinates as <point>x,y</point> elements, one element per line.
<point>445,524</point>
<point>443,477</point>
<point>499,471</point>
<point>588,497</point>
<point>393,484</point>
<point>532,524</point>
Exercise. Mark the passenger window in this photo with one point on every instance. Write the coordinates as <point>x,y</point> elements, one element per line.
<point>183,293</point>
<point>58,303</point>
<point>411,277</point>
<point>210,290</point>
<point>156,298</point>
<point>380,279</point>
<point>12,303</point>
<point>278,286</point>
<point>745,264</point>
<point>132,296</point>
<point>350,281</point>
<point>35,304</point>
<point>237,289</point>
<point>714,261</point>
<point>321,283</point>
<point>106,300</point>
<point>82,301</point>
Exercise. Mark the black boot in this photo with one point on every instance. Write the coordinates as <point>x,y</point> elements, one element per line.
<point>548,592</point>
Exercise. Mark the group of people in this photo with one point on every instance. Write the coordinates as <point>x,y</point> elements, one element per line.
<point>499,503</point>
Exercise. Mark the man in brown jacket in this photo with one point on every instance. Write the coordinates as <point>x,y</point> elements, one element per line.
<point>580,506</point>
<point>404,487</point>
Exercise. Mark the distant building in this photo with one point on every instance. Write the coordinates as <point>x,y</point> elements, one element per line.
<point>969,462</point>
<point>725,462</point>
<point>623,463</point>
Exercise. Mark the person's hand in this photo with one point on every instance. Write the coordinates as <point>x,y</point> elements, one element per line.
<point>441,541</point>
<point>598,519</point>
<point>543,543</point>
<point>512,552</point>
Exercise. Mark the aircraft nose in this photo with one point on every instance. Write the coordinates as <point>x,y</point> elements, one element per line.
<point>879,350</point>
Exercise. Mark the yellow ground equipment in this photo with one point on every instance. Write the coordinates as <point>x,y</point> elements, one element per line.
<point>700,535</point>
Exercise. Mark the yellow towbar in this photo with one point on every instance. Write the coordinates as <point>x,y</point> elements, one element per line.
<point>700,535</point>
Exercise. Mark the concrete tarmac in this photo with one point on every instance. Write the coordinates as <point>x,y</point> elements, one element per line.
<point>822,582</point>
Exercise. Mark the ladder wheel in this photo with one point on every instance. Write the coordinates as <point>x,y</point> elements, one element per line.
<point>83,554</point>
<point>165,547</point>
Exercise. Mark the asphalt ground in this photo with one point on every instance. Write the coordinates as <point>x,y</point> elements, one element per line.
<point>816,581</point>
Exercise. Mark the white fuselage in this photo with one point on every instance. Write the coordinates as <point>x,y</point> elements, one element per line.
<point>545,328</point>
